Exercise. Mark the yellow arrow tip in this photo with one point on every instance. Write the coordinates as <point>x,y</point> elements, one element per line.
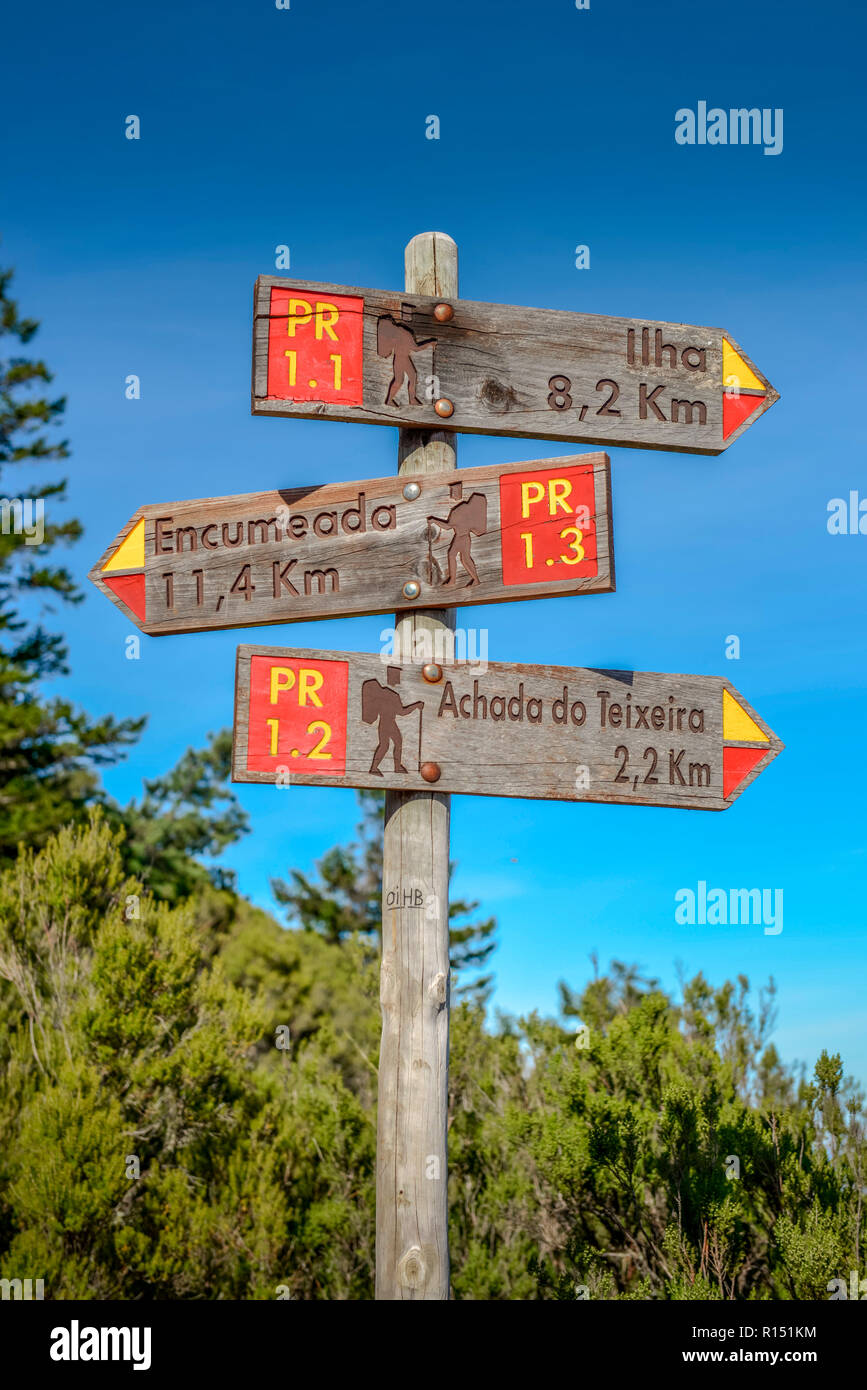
<point>738,725</point>
<point>737,373</point>
<point>129,555</point>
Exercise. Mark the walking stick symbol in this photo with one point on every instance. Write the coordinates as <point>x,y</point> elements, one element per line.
<point>434,573</point>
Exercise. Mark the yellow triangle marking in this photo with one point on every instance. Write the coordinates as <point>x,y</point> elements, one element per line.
<point>130,553</point>
<point>738,725</point>
<point>735,366</point>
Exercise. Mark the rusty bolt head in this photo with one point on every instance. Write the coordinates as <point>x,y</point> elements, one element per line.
<point>411,492</point>
<point>443,312</point>
<point>431,772</point>
<point>432,672</point>
<point>411,589</point>
<point>444,407</point>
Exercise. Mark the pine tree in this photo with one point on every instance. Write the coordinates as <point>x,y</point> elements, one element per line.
<point>347,901</point>
<point>190,811</point>
<point>49,751</point>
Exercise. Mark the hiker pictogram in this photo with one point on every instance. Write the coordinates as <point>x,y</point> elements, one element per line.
<point>501,369</point>
<point>383,703</point>
<point>467,518</point>
<point>397,340</point>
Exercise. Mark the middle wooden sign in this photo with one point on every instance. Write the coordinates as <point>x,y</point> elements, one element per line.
<point>472,535</point>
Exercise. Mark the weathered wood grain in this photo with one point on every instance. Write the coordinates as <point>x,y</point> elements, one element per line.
<point>301,552</point>
<point>412,1252</point>
<point>547,732</point>
<point>496,364</point>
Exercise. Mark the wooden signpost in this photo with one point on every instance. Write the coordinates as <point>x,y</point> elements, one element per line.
<point>486,535</point>
<point>419,722</point>
<point>412,1108</point>
<point>353,719</point>
<point>391,357</point>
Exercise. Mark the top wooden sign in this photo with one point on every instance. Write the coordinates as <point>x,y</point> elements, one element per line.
<point>384,357</point>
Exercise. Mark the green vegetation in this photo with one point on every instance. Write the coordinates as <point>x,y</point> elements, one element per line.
<point>188,1088</point>
<point>136,1029</point>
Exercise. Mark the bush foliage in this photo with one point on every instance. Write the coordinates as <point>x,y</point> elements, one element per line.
<point>140,1035</point>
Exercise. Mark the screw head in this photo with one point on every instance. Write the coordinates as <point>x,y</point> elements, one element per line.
<point>411,589</point>
<point>431,772</point>
<point>432,672</point>
<point>443,312</point>
<point>411,492</point>
<point>444,407</point>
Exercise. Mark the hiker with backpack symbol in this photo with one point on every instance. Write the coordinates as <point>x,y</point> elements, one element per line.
<point>467,518</point>
<point>382,703</point>
<point>397,340</point>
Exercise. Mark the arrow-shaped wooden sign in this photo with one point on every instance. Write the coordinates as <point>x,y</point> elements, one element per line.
<point>385,357</point>
<point>352,719</point>
<point>477,535</point>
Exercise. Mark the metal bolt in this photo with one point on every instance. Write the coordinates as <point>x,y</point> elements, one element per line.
<point>443,312</point>
<point>431,772</point>
<point>411,492</point>
<point>411,589</point>
<point>432,672</point>
<point>444,407</point>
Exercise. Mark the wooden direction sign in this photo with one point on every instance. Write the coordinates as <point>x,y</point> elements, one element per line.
<point>385,357</point>
<point>477,535</point>
<point>353,719</point>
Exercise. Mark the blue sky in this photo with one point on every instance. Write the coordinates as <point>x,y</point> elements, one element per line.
<point>306,126</point>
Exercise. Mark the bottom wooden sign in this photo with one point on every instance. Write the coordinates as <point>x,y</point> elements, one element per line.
<point>356,719</point>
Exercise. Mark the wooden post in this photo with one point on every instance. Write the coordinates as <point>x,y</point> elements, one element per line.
<point>412,1258</point>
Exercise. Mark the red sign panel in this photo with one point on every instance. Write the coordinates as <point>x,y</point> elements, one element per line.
<point>315,347</point>
<point>298,715</point>
<point>548,520</point>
